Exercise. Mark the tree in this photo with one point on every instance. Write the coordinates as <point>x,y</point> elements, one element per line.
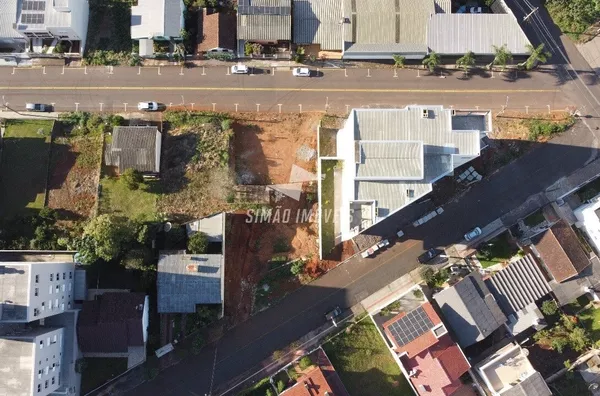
<point>536,55</point>
<point>549,307</point>
<point>179,52</point>
<point>280,386</point>
<point>432,61</point>
<point>434,279</point>
<point>305,363</point>
<point>297,268</point>
<point>466,61</point>
<point>399,61</point>
<point>132,178</point>
<point>565,333</point>
<point>269,392</point>
<point>198,243</point>
<point>105,237</point>
<point>501,57</point>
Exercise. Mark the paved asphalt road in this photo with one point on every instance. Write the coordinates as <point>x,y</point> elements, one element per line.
<point>115,88</point>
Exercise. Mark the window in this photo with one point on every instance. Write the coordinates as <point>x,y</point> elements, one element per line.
<point>58,276</point>
<point>39,373</point>
<point>50,289</point>
<point>57,289</point>
<point>70,286</point>
<point>36,291</point>
<point>39,387</point>
<point>70,275</point>
<point>52,380</point>
<point>69,304</point>
<point>63,287</point>
<point>53,366</point>
<point>46,370</point>
<point>49,304</point>
<point>62,306</point>
<point>43,306</point>
<point>36,312</point>
<point>37,279</point>
<point>48,341</point>
<point>45,384</point>
<point>51,277</point>
<point>64,275</point>
<point>54,342</point>
<point>56,303</point>
<point>41,344</point>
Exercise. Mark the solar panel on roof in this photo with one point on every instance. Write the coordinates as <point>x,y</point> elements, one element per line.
<point>32,18</point>
<point>29,5</point>
<point>410,326</point>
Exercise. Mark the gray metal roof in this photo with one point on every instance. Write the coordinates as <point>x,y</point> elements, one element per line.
<point>401,128</point>
<point>135,147</point>
<point>318,22</point>
<point>383,51</point>
<point>157,18</point>
<point>470,309</point>
<point>518,285</point>
<point>50,17</point>
<point>443,6</point>
<point>534,385</point>
<point>80,285</point>
<point>8,16</point>
<point>459,33</point>
<point>264,27</point>
<point>14,291</point>
<point>390,160</point>
<point>185,280</point>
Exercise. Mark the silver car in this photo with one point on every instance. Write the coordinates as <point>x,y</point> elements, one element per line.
<point>474,233</point>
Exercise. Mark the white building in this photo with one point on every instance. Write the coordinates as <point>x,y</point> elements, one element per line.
<point>31,22</point>
<point>391,158</point>
<point>31,361</point>
<point>156,20</point>
<point>588,220</point>
<point>30,291</point>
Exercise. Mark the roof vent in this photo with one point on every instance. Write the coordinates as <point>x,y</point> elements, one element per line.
<point>192,268</point>
<point>425,113</point>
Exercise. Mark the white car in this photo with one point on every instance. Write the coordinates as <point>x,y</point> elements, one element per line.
<point>474,233</point>
<point>147,106</point>
<point>220,50</point>
<point>239,69</point>
<point>301,72</point>
<point>36,107</point>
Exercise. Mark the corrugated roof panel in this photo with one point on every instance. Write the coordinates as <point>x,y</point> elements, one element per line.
<point>264,27</point>
<point>318,22</point>
<point>458,33</point>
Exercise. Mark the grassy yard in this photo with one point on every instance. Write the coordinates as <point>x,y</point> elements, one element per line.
<point>136,204</point>
<point>99,370</point>
<point>590,319</point>
<point>573,17</point>
<point>24,166</point>
<point>327,205</point>
<point>364,363</point>
<point>496,250</point>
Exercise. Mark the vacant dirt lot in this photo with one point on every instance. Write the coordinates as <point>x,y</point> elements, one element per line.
<point>74,175</point>
<point>266,145</point>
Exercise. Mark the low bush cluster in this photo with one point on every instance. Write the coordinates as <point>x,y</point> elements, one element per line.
<point>546,129</point>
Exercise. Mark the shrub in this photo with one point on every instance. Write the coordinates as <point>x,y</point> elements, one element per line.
<point>549,307</point>
<point>132,178</point>
<point>434,279</point>
<point>197,344</point>
<point>297,268</point>
<point>542,128</point>
<point>418,293</point>
<point>226,124</point>
<point>198,243</point>
<point>269,392</point>
<point>305,362</point>
<point>280,386</point>
<point>221,56</point>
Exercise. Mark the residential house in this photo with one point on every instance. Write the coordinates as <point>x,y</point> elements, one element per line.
<point>431,361</point>
<point>136,147</point>
<point>516,289</point>
<point>31,25</point>
<point>216,30</point>
<point>563,258</point>
<point>266,22</point>
<point>392,157</point>
<point>38,345</point>
<point>470,309</point>
<point>319,379</point>
<point>380,29</point>
<point>186,280</point>
<point>115,325</point>
<point>508,372</point>
<point>160,20</point>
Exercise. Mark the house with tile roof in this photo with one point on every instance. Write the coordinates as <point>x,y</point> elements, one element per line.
<point>137,147</point>
<point>115,324</point>
<point>470,309</point>
<point>216,30</point>
<point>561,252</point>
<point>429,358</point>
<point>508,372</point>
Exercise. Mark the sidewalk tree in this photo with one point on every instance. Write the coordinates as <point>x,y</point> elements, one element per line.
<point>466,61</point>
<point>399,61</point>
<point>501,57</point>
<point>537,55</point>
<point>432,61</point>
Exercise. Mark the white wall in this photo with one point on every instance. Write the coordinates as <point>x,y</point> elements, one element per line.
<point>48,360</point>
<point>53,296</point>
<point>588,221</point>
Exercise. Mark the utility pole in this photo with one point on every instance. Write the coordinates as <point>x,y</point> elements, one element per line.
<point>530,14</point>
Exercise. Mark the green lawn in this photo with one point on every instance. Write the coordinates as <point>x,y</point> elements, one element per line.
<point>327,205</point>
<point>24,166</point>
<point>590,319</point>
<point>496,250</point>
<point>116,198</point>
<point>99,370</point>
<point>364,363</point>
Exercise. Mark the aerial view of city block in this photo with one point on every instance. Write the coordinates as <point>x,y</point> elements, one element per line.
<point>299,197</point>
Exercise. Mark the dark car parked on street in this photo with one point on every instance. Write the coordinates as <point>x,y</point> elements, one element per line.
<point>429,255</point>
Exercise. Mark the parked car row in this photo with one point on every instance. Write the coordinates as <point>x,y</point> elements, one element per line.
<point>296,71</point>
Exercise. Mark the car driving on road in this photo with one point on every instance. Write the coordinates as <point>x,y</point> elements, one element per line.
<point>239,69</point>
<point>333,315</point>
<point>147,106</point>
<point>429,255</point>
<point>474,233</point>
<point>301,72</point>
